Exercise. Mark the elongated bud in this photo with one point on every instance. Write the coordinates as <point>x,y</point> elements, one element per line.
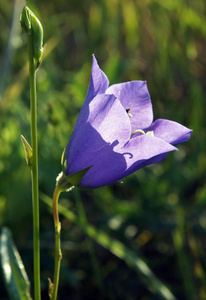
<point>28,151</point>
<point>32,26</point>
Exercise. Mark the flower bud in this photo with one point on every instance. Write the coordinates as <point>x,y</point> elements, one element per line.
<point>28,151</point>
<point>31,24</point>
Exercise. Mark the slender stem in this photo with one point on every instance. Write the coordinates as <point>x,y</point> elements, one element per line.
<point>58,253</point>
<point>34,170</point>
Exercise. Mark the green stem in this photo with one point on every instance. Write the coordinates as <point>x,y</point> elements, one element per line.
<point>58,253</point>
<point>34,170</point>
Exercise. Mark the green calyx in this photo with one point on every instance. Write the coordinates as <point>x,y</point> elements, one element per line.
<point>67,182</point>
<point>32,26</point>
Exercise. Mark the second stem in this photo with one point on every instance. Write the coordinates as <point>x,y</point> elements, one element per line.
<point>58,253</point>
<point>34,170</point>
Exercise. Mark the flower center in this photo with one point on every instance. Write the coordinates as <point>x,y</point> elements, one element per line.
<point>142,132</point>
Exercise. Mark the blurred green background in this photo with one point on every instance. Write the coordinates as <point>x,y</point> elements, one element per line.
<point>158,212</point>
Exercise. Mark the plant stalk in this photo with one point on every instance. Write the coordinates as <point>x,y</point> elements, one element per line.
<point>58,253</point>
<point>34,170</point>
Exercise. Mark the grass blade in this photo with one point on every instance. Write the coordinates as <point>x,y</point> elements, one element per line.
<point>17,282</point>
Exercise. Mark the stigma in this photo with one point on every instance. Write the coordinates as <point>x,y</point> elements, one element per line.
<point>142,132</point>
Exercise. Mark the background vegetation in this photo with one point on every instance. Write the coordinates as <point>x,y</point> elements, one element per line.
<point>158,212</point>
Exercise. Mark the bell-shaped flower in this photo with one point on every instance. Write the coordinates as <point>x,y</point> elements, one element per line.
<point>115,135</point>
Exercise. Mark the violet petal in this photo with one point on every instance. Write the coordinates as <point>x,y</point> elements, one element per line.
<point>135,96</point>
<point>98,81</point>
<point>170,131</point>
<point>107,125</point>
<point>98,85</point>
<point>113,164</point>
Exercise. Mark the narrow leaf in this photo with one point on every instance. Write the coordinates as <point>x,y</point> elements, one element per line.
<point>16,280</point>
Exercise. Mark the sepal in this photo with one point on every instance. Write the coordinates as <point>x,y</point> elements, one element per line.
<point>77,177</point>
<point>67,182</point>
<point>64,161</point>
<point>28,151</point>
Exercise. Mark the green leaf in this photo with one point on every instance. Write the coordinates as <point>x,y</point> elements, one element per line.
<point>16,280</point>
<point>120,250</point>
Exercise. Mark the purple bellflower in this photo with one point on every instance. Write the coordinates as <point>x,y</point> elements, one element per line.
<point>115,135</point>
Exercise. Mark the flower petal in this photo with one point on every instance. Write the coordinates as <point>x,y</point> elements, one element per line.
<point>108,125</point>
<point>113,164</point>
<point>98,81</point>
<point>110,119</point>
<point>106,165</point>
<point>144,150</point>
<point>98,85</point>
<point>135,96</point>
<point>170,131</point>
